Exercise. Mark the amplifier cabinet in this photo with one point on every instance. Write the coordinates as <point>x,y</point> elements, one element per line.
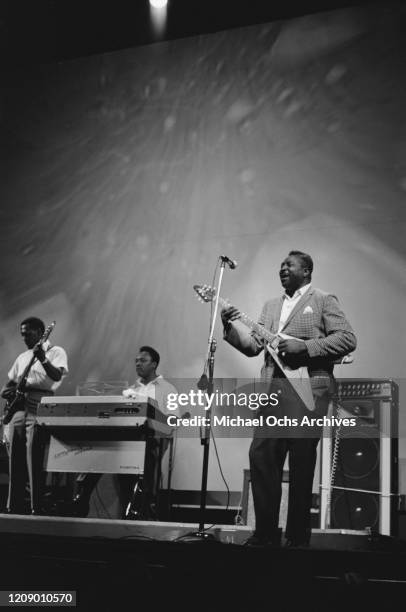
<point>359,465</point>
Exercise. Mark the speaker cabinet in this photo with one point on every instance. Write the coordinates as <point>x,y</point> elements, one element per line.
<point>359,465</point>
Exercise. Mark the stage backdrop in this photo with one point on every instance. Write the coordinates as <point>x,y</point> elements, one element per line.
<point>125,175</point>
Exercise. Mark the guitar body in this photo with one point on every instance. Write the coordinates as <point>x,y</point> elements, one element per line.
<point>298,377</point>
<point>12,407</point>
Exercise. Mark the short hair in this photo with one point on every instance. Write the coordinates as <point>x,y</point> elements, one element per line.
<point>152,352</point>
<point>307,261</point>
<point>34,323</point>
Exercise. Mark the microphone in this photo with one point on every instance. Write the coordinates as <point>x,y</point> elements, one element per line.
<point>232,264</point>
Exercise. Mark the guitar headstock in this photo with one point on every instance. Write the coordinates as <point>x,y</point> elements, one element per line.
<point>47,331</point>
<point>205,292</point>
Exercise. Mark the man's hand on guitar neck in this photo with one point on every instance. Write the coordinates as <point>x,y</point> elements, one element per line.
<point>231,313</point>
<point>53,373</point>
<point>39,352</point>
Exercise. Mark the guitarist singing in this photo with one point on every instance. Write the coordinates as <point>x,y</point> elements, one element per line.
<point>319,335</point>
<point>48,367</point>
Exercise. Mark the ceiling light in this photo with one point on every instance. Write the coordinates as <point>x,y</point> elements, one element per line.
<point>158,4</point>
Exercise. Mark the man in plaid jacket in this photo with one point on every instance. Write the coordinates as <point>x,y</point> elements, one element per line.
<point>319,336</point>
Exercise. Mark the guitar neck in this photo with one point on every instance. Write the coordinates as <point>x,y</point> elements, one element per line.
<point>21,385</point>
<point>251,324</point>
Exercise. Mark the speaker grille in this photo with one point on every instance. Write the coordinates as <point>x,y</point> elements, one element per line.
<point>354,510</point>
<point>358,459</point>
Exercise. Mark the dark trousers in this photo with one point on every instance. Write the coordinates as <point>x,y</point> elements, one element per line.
<point>267,457</point>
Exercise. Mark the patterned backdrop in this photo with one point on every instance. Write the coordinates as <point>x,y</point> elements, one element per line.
<point>125,175</point>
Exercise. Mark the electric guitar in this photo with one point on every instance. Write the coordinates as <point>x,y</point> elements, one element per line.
<point>298,377</point>
<point>17,403</point>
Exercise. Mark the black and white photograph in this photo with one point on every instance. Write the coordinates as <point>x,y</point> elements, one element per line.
<point>202,297</point>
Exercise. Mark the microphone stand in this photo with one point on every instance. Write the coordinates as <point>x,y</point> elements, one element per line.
<point>207,384</point>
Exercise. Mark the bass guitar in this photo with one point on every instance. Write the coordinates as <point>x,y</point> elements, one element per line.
<point>17,402</point>
<point>298,377</point>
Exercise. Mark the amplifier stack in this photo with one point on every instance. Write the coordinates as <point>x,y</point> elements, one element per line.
<point>359,465</point>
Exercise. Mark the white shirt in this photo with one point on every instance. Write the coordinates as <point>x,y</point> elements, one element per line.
<point>157,389</point>
<point>37,377</point>
<point>289,303</point>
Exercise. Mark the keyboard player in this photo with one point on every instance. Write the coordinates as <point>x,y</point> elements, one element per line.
<point>140,495</point>
<point>149,383</point>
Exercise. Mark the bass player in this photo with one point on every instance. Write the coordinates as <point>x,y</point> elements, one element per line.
<point>48,367</point>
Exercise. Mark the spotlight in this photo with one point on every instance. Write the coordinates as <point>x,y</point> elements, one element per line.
<point>158,10</point>
<point>158,4</point>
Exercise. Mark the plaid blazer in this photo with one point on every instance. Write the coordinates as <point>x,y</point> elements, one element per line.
<point>317,319</point>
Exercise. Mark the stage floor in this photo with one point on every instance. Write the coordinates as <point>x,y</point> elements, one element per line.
<point>110,562</point>
<point>342,539</point>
